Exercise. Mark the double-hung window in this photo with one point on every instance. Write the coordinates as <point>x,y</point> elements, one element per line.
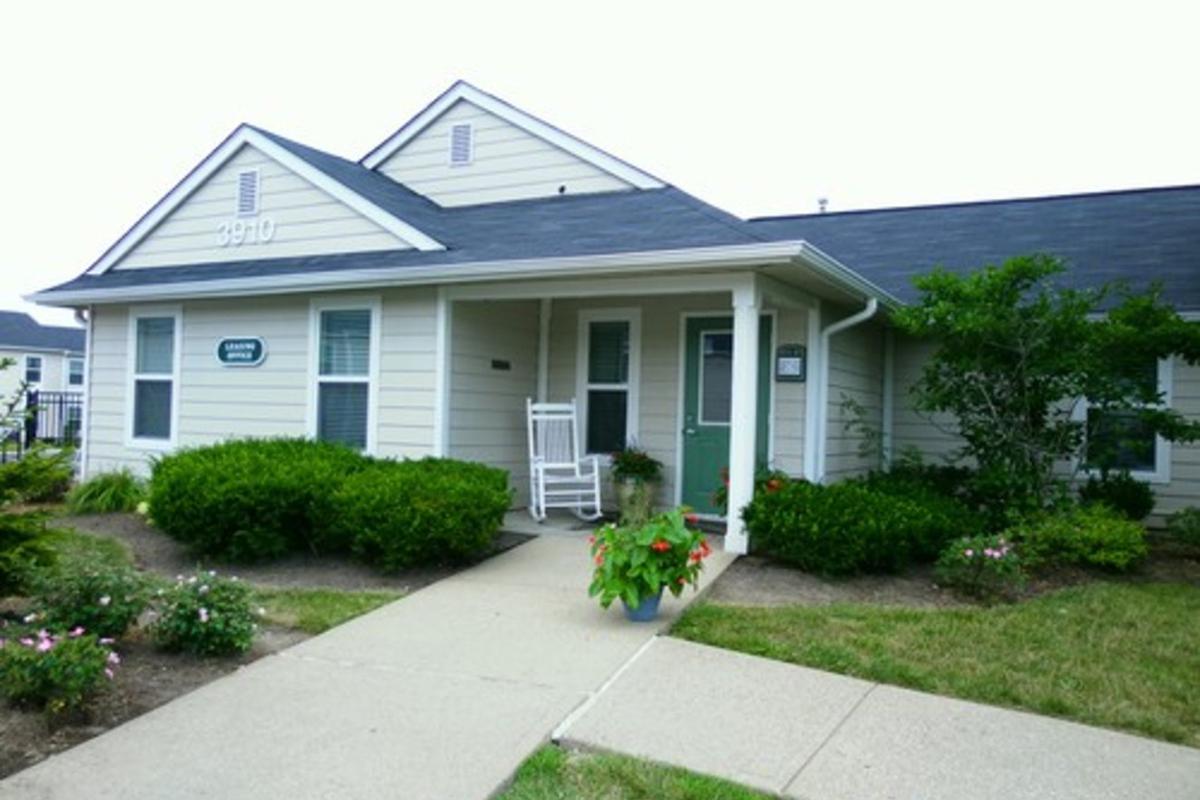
<point>1122,440</point>
<point>154,344</point>
<point>346,355</point>
<point>608,366</point>
<point>75,372</point>
<point>33,369</point>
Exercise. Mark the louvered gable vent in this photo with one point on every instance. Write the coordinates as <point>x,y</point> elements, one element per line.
<point>247,193</point>
<point>460,144</point>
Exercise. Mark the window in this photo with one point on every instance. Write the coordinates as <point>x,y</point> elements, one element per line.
<point>608,379</point>
<point>461,144</point>
<point>247,193</point>
<point>1123,439</point>
<point>33,369</point>
<point>345,365</point>
<point>75,372</point>
<point>716,377</point>
<point>155,364</point>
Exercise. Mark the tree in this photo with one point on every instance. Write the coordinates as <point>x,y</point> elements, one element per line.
<point>1016,354</point>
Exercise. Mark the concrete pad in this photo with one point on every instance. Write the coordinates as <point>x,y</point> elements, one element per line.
<point>742,718</point>
<point>293,728</point>
<point>904,744</point>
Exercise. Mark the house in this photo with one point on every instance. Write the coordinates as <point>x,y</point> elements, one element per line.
<point>46,357</point>
<point>408,303</point>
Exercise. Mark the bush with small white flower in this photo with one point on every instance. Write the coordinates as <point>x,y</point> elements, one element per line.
<point>104,601</point>
<point>55,672</point>
<point>983,566</point>
<point>205,614</point>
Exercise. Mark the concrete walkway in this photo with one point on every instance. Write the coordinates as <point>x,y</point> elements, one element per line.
<point>439,695</point>
<point>808,734</point>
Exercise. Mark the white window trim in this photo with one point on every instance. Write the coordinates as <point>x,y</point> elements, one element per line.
<point>41,370</point>
<point>237,194</point>
<point>470,145</point>
<point>1162,447</point>
<point>632,386</point>
<point>370,303</point>
<point>82,371</point>
<point>132,376</point>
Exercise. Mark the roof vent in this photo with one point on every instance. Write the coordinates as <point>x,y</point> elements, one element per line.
<point>247,193</point>
<point>460,144</point>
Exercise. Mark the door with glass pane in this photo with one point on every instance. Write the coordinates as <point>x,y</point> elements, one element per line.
<point>708,395</point>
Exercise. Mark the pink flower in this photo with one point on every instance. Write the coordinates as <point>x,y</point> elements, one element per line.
<point>45,645</point>
<point>76,632</point>
<point>113,659</point>
<point>105,600</point>
<point>969,553</point>
<point>25,640</point>
<point>107,640</point>
<point>108,673</point>
<point>203,613</point>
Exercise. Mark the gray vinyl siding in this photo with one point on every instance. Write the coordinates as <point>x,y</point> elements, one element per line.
<point>856,373</point>
<point>308,221</point>
<point>916,431</point>
<point>487,405</point>
<point>790,399</point>
<point>508,163</point>
<point>217,402</point>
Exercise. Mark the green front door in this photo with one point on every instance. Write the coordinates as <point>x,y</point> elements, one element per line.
<point>707,399</point>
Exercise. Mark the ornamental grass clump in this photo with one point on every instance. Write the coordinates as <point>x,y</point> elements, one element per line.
<point>637,563</point>
<point>985,566</point>
<point>205,614</point>
<point>107,493</point>
<point>58,673</point>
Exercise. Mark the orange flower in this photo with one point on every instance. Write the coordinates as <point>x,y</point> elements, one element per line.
<point>704,547</point>
<point>661,545</point>
<point>692,519</point>
<point>599,560</point>
<point>773,485</point>
<point>696,555</point>
<point>682,581</point>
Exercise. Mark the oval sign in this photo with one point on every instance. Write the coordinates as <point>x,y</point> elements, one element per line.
<point>241,351</point>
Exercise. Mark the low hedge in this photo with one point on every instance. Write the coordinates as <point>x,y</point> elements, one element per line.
<point>401,514</point>
<point>1087,536</point>
<point>872,525</point>
<point>256,499</point>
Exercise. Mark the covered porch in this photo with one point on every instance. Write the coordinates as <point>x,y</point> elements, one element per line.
<point>712,374</point>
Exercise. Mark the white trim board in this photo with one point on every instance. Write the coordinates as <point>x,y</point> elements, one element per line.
<point>246,135</point>
<point>463,91</point>
<point>132,441</point>
<point>632,386</point>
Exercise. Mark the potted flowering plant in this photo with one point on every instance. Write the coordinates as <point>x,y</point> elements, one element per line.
<point>637,563</point>
<point>636,476</point>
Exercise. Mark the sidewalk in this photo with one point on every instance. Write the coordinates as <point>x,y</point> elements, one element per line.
<point>808,734</point>
<point>439,695</point>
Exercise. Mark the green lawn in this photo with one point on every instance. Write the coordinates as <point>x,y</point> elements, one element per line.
<point>1118,655</point>
<point>318,610</point>
<point>554,774</point>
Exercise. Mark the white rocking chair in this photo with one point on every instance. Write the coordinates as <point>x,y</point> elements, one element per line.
<point>558,476</point>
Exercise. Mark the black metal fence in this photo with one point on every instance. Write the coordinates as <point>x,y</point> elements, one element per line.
<point>54,418</point>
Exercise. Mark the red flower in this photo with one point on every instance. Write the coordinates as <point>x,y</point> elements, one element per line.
<point>696,555</point>
<point>704,547</point>
<point>773,485</point>
<point>592,539</point>
<point>682,581</point>
<point>692,519</point>
<point>661,545</point>
<point>599,560</point>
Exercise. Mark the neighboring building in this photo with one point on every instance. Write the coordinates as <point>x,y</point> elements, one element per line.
<point>408,304</point>
<point>46,357</point>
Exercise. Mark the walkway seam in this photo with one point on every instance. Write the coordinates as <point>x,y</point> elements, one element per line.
<point>561,729</point>
<point>827,739</point>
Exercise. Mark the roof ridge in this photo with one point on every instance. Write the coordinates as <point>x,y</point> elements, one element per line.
<point>990,202</point>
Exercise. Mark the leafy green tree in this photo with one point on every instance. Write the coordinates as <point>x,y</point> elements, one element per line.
<point>1016,353</point>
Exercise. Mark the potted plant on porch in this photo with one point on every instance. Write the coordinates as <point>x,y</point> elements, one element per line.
<point>636,477</point>
<point>636,564</point>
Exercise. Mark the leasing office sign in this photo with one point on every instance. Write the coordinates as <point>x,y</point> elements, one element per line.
<point>241,351</point>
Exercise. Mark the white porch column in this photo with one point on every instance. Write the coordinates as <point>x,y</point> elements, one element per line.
<point>543,365</point>
<point>747,306</point>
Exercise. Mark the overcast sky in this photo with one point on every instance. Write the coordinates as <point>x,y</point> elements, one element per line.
<point>760,109</point>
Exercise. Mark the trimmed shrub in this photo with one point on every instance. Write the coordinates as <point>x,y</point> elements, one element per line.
<point>107,493</point>
<point>206,615</point>
<point>984,566</point>
<point>401,514</point>
<point>250,499</point>
<point>1122,492</point>
<point>1184,525</point>
<point>943,517</point>
<point>1091,536</point>
<point>946,480</point>
<point>23,551</point>
<point>42,475</point>
<point>101,601</point>
<point>56,673</point>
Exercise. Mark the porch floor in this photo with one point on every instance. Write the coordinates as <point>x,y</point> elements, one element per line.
<point>557,523</point>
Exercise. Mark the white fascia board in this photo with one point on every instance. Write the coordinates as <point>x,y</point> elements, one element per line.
<point>527,122</point>
<point>843,275</point>
<point>244,135</point>
<point>731,256</point>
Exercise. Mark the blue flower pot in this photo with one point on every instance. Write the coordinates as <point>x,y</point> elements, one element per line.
<point>645,611</point>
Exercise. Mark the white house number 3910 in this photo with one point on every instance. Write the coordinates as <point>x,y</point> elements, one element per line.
<point>245,231</point>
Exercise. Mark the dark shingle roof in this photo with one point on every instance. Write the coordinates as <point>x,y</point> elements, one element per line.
<point>1139,236</point>
<point>20,330</point>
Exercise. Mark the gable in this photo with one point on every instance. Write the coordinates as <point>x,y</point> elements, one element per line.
<point>295,218</point>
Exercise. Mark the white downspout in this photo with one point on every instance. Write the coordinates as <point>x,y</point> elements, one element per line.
<point>823,379</point>
<point>887,423</point>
